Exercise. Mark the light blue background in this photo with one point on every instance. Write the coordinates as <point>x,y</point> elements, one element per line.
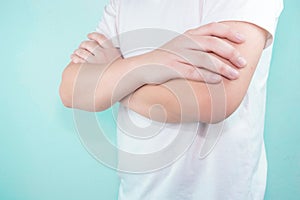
<point>41,157</point>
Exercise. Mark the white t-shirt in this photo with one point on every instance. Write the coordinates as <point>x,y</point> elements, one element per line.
<point>225,160</point>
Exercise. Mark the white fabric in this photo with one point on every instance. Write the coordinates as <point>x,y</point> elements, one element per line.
<point>236,167</point>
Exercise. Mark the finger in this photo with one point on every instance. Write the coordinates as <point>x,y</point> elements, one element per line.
<point>90,46</point>
<point>203,75</point>
<point>222,49</point>
<point>207,76</point>
<point>197,74</point>
<point>76,59</point>
<point>84,54</point>
<point>219,30</point>
<point>209,62</point>
<point>101,39</point>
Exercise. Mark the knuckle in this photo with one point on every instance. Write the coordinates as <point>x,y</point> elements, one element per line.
<point>222,68</point>
<point>190,72</point>
<point>79,51</point>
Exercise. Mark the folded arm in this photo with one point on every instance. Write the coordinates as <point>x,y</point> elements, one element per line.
<point>97,81</point>
<point>189,101</point>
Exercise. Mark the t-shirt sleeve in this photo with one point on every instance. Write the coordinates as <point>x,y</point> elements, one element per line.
<point>263,13</point>
<point>108,24</point>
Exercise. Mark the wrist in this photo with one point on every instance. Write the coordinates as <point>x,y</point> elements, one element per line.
<point>131,69</point>
<point>140,67</point>
<point>150,68</point>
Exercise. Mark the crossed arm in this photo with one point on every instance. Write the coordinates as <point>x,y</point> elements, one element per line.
<point>188,101</point>
<point>180,100</point>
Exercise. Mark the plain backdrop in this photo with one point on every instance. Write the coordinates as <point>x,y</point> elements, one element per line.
<point>41,156</point>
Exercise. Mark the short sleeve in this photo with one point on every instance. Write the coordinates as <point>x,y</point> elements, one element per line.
<point>263,13</point>
<point>109,22</point>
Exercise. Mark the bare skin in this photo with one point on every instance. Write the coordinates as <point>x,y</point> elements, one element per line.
<point>221,63</point>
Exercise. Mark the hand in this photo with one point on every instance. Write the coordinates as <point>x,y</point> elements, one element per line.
<point>191,54</point>
<point>97,50</point>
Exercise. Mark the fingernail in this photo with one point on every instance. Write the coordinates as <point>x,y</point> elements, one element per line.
<point>240,36</point>
<point>242,62</point>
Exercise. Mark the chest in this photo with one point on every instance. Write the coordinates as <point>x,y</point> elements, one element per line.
<point>144,25</point>
<point>175,15</point>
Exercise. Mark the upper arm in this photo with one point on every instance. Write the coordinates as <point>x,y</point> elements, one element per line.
<point>196,101</point>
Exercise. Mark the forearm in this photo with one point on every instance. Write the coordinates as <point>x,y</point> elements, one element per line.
<point>95,87</point>
<point>178,101</point>
<point>190,101</point>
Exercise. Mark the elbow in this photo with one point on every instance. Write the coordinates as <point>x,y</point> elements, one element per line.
<point>216,120</point>
<point>82,98</point>
<point>67,100</point>
<point>211,119</point>
<point>64,97</point>
<point>66,89</point>
<point>89,103</point>
<point>219,113</point>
